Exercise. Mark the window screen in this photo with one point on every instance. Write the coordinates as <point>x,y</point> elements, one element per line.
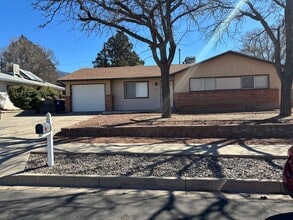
<point>247,82</point>
<point>141,89</point>
<point>228,83</point>
<point>196,85</point>
<point>136,90</point>
<point>261,82</point>
<point>210,84</point>
<point>130,90</point>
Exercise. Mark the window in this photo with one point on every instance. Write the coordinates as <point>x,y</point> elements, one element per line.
<point>228,83</point>
<point>209,84</point>
<point>136,90</point>
<point>261,82</point>
<point>196,85</point>
<point>202,84</point>
<point>247,82</point>
<point>255,82</point>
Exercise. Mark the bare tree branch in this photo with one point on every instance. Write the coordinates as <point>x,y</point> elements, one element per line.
<point>152,22</point>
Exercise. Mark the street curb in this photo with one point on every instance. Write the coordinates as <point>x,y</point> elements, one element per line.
<point>148,183</point>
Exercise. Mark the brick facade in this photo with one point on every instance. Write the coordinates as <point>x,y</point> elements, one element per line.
<point>227,100</point>
<point>109,103</point>
<point>67,104</point>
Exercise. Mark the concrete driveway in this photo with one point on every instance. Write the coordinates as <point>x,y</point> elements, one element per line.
<point>18,138</point>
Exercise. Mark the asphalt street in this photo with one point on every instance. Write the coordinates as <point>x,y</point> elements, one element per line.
<point>69,203</point>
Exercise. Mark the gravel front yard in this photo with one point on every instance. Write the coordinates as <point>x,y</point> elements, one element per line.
<point>158,165</point>
<point>166,165</point>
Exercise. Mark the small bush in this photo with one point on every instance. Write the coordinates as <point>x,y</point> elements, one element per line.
<point>29,98</point>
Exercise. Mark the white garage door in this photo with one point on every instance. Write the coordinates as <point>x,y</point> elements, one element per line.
<point>87,98</point>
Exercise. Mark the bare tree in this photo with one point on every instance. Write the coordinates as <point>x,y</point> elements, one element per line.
<point>257,43</point>
<point>273,16</point>
<point>32,57</point>
<point>152,22</point>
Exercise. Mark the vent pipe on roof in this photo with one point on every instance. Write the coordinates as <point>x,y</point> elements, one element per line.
<point>12,68</point>
<point>189,60</point>
<point>9,68</point>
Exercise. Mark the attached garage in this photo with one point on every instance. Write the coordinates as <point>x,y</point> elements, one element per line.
<point>88,98</point>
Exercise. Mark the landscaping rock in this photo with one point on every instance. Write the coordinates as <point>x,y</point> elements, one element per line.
<point>158,165</point>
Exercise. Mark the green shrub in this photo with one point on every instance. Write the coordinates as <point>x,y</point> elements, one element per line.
<point>29,98</point>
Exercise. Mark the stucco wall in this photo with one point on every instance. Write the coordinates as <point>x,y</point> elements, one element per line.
<point>123,104</point>
<point>87,82</point>
<point>225,66</point>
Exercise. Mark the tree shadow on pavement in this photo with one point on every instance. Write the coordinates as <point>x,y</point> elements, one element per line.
<point>11,147</point>
<point>100,204</point>
<point>13,151</point>
<point>72,203</point>
<point>214,208</point>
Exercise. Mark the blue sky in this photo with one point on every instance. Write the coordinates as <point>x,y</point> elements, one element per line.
<point>72,48</point>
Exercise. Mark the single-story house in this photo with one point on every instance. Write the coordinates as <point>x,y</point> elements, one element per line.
<point>11,74</point>
<point>227,82</point>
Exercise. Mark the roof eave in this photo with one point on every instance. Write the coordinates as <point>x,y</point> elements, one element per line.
<point>235,53</point>
<point>113,78</point>
<point>29,82</point>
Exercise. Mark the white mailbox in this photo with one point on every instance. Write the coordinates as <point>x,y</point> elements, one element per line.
<point>46,129</point>
<point>43,128</point>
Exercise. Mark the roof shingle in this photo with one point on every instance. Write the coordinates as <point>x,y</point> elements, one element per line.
<point>124,72</point>
<point>134,72</point>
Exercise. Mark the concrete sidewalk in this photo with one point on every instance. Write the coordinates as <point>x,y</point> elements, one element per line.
<point>203,149</point>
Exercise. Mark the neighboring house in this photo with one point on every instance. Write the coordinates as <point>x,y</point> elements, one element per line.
<point>228,82</point>
<point>13,75</point>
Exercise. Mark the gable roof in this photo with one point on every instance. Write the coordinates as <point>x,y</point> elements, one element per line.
<point>236,54</point>
<point>124,72</point>
<point>136,72</point>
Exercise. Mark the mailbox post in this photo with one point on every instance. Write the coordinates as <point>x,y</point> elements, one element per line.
<point>50,147</point>
<point>46,129</point>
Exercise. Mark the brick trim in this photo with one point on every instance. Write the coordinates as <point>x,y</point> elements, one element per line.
<point>109,103</point>
<point>67,104</point>
<point>227,100</point>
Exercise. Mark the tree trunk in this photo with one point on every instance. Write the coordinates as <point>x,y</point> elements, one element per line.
<point>286,78</point>
<point>166,105</point>
<point>286,85</point>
